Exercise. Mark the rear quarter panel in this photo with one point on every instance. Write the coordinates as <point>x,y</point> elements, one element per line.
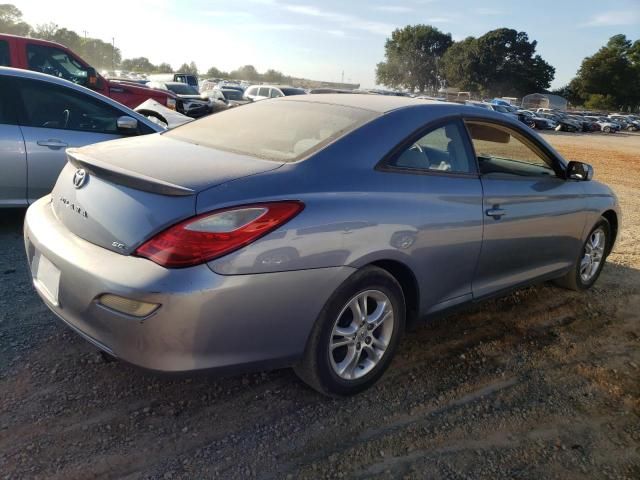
<point>355,215</point>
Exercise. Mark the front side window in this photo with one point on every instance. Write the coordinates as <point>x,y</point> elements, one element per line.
<point>263,92</point>
<point>51,106</point>
<point>502,150</point>
<point>56,62</point>
<point>7,113</point>
<point>281,131</point>
<point>442,149</point>
<point>5,61</point>
<point>275,93</point>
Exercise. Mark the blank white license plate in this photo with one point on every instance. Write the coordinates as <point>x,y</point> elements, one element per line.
<point>46,276</point>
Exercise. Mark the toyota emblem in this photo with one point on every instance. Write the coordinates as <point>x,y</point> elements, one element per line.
<point>80,178</point>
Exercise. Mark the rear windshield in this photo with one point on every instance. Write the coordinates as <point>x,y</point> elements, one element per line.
<point>277,130</point>
<point>232,94</point>
<point>182,89</point>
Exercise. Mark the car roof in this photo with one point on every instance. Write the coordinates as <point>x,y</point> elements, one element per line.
<point>375,103</point>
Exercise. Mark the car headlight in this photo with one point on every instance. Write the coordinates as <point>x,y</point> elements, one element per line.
<point>171,103</point>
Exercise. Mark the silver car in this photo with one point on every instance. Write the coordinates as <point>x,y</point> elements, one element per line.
<point>40,116</point>
<point>305,231</point>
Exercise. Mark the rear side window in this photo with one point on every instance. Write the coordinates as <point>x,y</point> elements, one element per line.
<point>276,130</point>
<point>5,61</point>
<point>263,92</point>
<point>441,149</point>
<point>51,106</point>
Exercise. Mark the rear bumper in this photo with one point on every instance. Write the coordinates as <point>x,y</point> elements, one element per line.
<point>205,320</point>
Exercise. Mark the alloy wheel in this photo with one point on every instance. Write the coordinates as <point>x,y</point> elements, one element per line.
<point>593,255</point>
<point>361,334</point>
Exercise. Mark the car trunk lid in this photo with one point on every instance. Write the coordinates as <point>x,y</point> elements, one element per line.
<point>117,194</point>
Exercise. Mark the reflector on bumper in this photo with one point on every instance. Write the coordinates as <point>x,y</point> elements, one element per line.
<point>127,306</point>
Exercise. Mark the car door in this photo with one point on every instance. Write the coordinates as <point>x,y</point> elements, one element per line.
<point>533,217</point>
<point>440,184</point>
<point>52,118</point>
<point>13,159</point>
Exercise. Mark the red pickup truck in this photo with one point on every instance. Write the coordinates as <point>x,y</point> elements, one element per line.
<point>55,59</point>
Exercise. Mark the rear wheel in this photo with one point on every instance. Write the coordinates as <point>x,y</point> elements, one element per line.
<point>594,252</point>
<point>606,129</point>
<point>356,334</point>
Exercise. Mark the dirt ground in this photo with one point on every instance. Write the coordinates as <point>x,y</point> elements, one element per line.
<point>544,383</point>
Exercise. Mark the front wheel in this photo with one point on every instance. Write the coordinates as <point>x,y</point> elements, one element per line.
<point>356,334</point>
<point>606,129</point>
<point>594,253</point>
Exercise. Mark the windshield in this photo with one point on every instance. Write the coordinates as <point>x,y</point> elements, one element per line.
<point>274,130</point>
<point>182,89</point>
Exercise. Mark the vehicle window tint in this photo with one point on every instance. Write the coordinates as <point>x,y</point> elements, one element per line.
<point>56,62</point>
<point>275,93</point>
<point>263,92</point>
<point>441,149</point>
<point>52,106</point>
<point>501,150</point>
<point>5,61</point>
<point>280,131</point>
<point>7,113</point>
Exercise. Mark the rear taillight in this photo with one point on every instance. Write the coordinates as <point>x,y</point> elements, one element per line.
<point>214,234</point>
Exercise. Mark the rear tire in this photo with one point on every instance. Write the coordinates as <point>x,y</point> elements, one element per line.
<point>585,272</point>
<point>348,352</point>
<point>606,129</point>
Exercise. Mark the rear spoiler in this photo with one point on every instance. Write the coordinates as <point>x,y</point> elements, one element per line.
<point>124,177</point>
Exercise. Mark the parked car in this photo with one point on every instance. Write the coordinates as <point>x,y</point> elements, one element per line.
<point>262,92</point>
<point>193,103</point>
<point>57,60</point>
<point>606,125</point>
<point>505,110</point>
<point>187,78</point>
<point>40,116</point>
<point>224,98</point>
<point>564,124</point>
<point>534,121</point>
<point>306,231</point>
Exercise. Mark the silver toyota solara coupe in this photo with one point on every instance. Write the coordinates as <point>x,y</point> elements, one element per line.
<point>305,231</point>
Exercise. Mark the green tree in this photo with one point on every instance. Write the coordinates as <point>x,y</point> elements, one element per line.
<point>597,101</point>
<point>139,64</point>
<point>213,72</point>
<point>11,20</point>
<point>412,57</point>
<point>247,72</point>
<point>501,62</point>
<point>188,68</point>
<point>164,67</point>
<point>611,75</point>
<point>273,76</point>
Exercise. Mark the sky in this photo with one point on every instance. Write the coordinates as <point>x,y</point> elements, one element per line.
<point>321,39</point>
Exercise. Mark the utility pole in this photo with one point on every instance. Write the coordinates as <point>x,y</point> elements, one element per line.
<point>113,53</point>
<point>342,76</point>
<point>85,34</point>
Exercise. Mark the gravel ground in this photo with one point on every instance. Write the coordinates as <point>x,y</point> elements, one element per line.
<point>543,383</point>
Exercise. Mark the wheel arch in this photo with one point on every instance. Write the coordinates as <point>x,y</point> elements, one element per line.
<point>612,218</point>
<point>408,282</point>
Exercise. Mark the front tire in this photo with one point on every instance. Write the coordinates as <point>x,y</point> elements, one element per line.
<point>356,334</point>
<point>587,268</point>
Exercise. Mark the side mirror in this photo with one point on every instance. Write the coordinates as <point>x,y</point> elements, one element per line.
<point>579,171</point>
<point>127,125</point>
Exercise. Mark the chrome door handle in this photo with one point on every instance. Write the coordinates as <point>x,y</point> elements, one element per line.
<point>52,143</point>
<point>496,212</point>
